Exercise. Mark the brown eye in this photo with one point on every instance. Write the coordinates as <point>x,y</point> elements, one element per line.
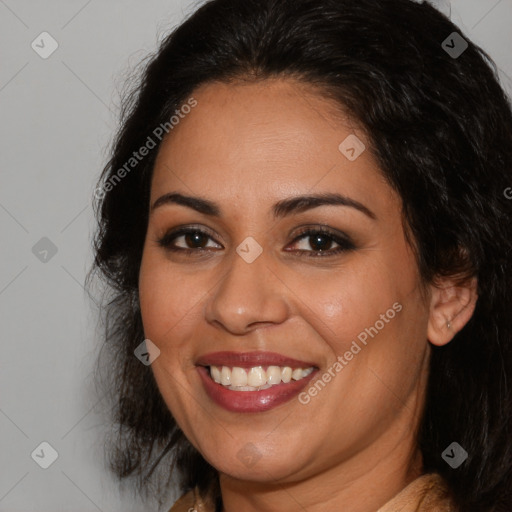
<point>188,240</point>
<point>196,239</point>
<point>320,240</point>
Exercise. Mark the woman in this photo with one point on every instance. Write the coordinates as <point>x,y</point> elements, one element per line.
<point>306,235</point>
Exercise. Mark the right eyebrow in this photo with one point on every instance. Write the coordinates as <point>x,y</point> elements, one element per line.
<point>196,203</point>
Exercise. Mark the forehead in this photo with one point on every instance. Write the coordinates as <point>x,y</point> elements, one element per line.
<point>268,139</point>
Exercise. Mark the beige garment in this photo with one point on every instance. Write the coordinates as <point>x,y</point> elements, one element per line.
<point>428,493</point>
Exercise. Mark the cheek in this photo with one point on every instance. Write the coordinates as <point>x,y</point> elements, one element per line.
<point>343,303</point>
<point>167,297</point>
<point>366,308</point>
<point>168,300</point>
<point>156,303</point>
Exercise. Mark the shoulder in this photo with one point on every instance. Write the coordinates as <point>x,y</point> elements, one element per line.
<point>185,503</point>
<point>427,493</point>
<point>192,502</point>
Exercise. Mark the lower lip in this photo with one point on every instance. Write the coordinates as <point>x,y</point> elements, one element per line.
<point>251,401</point>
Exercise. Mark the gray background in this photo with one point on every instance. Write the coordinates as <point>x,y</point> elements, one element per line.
<point>58,116</point>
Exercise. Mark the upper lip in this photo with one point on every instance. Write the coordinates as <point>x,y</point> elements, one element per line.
<point>250,359</point>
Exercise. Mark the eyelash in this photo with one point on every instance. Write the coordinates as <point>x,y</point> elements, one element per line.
<point>344,242</point>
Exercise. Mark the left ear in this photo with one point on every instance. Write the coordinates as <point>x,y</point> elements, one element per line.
<point>451,306</point>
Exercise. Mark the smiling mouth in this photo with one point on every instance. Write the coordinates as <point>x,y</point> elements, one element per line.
<point>256,378</point>
<point>254,381</point>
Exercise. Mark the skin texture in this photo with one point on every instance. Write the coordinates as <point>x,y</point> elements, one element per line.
<point>245,146</point>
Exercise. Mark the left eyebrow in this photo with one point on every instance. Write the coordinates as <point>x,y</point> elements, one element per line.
<point>282,208</point>
<point>302,203</point>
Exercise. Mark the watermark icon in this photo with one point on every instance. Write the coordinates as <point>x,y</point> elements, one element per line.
<point>355,348</point>
<point>44,250</point>
<point>44,455</point>
<point>146,352</point>
<point>249,249</point>
<point>508,193</point>
<point>352,147</point>
<point>249,455</point>
<point>44,45</point>
<point>454,45</point>
<point>454,455</point>
<point>137,156</point>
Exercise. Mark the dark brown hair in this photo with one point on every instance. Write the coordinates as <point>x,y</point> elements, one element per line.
<point>441,129</point>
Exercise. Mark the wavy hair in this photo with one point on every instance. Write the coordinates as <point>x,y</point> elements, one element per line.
<point>440,128</point>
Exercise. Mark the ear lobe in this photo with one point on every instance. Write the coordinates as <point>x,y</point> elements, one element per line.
<point>451,307</point>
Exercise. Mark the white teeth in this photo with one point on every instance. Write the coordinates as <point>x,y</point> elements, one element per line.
<point>286,374</point>
<point>297,374</point>
<point>215,373</point>
<point>256,378</point>
<point>225,376</point>
<point>238,377</point>
<point>248,388</point>
<point>273,375</point>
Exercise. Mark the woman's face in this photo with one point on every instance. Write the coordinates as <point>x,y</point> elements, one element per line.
<point>257,285</point>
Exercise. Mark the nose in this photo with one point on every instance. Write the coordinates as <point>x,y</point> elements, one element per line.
<point>247,296</point>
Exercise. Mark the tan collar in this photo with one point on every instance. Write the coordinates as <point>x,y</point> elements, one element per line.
<point>427,493</point>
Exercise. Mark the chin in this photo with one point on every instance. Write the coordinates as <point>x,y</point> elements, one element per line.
<point>251,465</point>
